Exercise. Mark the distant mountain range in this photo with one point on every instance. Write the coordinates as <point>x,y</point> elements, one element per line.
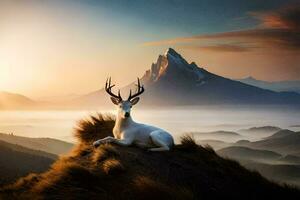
<point>282,173</point>
<point>260,130</point>
<point>171,81</point>
<point>246,153</point>
<point>284,142</point>
<point>15,101</point>
<point>278,86</point>
<point>276,157</point>
<point>226,136</point>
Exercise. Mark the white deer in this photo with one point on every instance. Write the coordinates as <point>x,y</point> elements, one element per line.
<point>127,132</point>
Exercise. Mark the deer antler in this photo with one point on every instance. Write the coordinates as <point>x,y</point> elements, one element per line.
<point>108,88</point>
<point>140,90</point>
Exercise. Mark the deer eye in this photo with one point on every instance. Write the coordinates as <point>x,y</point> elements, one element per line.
<point>130,106</point>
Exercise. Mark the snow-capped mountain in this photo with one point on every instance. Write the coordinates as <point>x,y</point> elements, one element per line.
<point>171,65</point>
<point>174,81</point>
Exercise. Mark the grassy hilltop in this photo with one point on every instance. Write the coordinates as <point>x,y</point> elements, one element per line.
<point>189,171</point>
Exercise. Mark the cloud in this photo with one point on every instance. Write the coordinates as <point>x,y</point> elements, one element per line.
<point>284,18</point>
<point>278,29</point>
<point>220,48</point>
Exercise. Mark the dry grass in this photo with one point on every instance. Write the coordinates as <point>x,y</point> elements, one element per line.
<point>25,182</point>
<point>112,166</point>
<point>95,127</point>
<point>188,142</point>
<point>81,150</point>
<point>60,173</point>
<point>106,151</point>
<point>147,188</point>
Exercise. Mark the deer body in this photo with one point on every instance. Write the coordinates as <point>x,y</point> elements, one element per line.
<point>127,132</point>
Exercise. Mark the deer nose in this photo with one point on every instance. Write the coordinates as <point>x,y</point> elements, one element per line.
<point>127,114</point>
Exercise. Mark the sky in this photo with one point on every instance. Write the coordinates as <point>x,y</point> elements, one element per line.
<point>63,47</point>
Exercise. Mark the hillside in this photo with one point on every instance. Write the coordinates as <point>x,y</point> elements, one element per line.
<point>281,133</point>
<point>291,159</point>
<point>263,156</point>
<point>239,153</point>
<point>17,161</point>
<point>284,169</point>
<point>278,172</point>
<point>189,171</point>
<point>284,142</point>
<point>19,148</point>
<point>49,145</point>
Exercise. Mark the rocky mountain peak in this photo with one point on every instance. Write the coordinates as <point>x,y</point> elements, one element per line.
<point>172,64</point>
<point>172,52</point>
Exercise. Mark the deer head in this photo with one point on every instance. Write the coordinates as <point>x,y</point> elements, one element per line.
<point>124,106</point>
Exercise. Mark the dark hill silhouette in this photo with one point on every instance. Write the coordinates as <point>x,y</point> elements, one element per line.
<point>17,161</point>
<point>50,145</point>
<point>19,148</point>
<point>189,171</point>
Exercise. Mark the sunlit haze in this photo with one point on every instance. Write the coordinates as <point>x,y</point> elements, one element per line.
<point>50,48</point>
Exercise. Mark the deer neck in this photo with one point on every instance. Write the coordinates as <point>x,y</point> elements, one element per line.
<point>123,123</point>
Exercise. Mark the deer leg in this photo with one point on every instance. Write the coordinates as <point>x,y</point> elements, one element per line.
<point>161,145</point>
<point>102,141</point>
<point>164,148</point>
<point>109,139</point>
<point>122,142</point>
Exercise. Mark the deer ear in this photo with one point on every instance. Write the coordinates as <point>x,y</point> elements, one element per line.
<point>135,100</point>
<point>115,100</point>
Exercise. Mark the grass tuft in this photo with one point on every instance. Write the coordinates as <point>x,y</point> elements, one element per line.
<point>112,166</point>
<point>188,142</point>
<point>95,127</point>
<point>104,152</point>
